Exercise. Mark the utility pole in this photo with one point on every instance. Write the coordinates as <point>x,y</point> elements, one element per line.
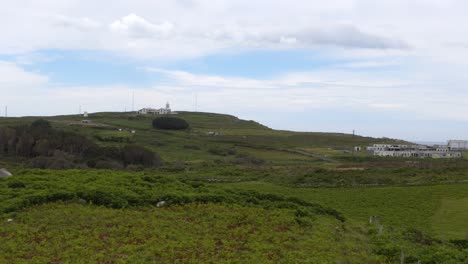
<point>6,111</point>
<point>133,101</point>
<point>196,102</point>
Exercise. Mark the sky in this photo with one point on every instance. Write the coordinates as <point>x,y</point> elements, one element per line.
<point>384,68</point>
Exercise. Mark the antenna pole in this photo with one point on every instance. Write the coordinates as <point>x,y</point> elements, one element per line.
<point>196,102</point>
<point>6,111</point>
<point>133,101</point>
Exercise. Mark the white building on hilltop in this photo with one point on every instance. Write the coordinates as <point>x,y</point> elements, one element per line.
<point>153,111</point>
<point>413,151</point>
<point>458,144</point>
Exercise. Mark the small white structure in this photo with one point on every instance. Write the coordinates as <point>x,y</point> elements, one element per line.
<point>414,151</point>
<point>85,114</point>
<point>160,111</point>
<point>458,144</point>
<point>213,133</point>
<point>4,173</point>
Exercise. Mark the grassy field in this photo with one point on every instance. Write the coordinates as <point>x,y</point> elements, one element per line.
<point>450,219</point>
<point>91,216</point>
<point>202,233</point>
<point>437,209</point>
<point>249,195</point>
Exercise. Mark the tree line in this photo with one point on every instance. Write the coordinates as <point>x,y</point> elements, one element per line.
<point>45,147</point>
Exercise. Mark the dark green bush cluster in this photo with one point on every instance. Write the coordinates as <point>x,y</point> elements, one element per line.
<point>222,151</point>
<point>243,158</point>
<point>170,123</point>
<point>194,147</point>
<point>113,139</point>
<point>118,190</point>
<point>414,246</point>
<point>48,148</point>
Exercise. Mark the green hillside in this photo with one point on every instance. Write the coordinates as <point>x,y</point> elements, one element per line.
<point>226,190</point>
<point>194,144</point>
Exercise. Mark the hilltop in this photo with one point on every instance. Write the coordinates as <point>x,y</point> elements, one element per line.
<point>194,144</point>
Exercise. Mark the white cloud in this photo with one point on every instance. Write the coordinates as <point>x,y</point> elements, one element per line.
<point>139,27</point>
<point>182,29</point>
<point>332,89</point>
<point>14,78</point>
<point>82,23</point>
<point>350,36</point>
<point>288,40</point>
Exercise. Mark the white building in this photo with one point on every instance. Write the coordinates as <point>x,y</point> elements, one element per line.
<point>458,144</point>
<point>414,151</point>
<point>153,111</point>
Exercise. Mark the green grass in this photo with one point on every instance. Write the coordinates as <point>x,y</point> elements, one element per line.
<point>168,143</point>
<point>64,233</point>
<point>412,207</point>
<point>95,215</point>
<point>451,218</point>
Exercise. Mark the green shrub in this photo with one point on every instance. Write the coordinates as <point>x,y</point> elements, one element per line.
<point>170,123</point>
<point>16,185</point>
<point>137,155</point>
<point>194,147</point>
<point>106,198</point>
<point>248,159</point>
<point>222,151</point>
<point>108,164</point>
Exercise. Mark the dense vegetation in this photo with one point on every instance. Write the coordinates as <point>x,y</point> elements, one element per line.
<point>263,226</point>
<point>245,194</point>
<point>207,233</point>
<point>46,147</point>
<point>169,122</point>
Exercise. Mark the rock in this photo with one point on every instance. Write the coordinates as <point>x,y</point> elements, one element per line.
<point>81,201</point>
<point>4,173</point>
<point>10,220</point>
<point>161,204</point>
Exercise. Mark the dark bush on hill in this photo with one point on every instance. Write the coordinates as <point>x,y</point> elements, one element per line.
<point>243,158</point>
<point>194,147</point>
<point>136,155</point>
<point>108,164</point>
<point>47,148</point>
<point>170,123</point>
<point>221,151</point>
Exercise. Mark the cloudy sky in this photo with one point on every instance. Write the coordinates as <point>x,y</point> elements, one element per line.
<point>395,68</point>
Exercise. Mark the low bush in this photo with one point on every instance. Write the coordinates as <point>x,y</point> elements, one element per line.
<point>194,147</point>
<point>108,164</point>
<point>222,151</point>
<point>248,159</point>
<point>170,123</point>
